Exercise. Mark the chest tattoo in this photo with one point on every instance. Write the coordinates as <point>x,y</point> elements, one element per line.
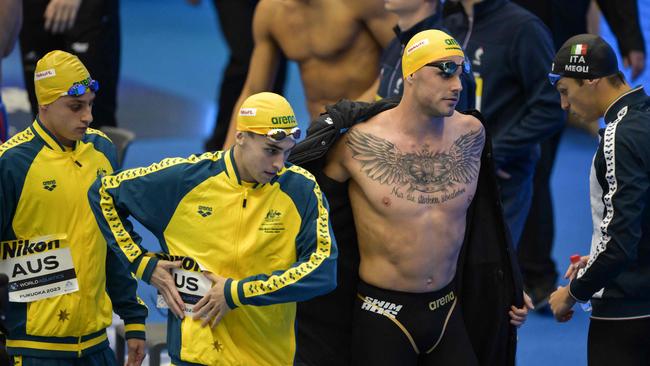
<point>425,176</point>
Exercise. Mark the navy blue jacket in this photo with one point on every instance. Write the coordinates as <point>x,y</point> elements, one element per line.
<point>391,82</point>
<point>619,261</point>
<point>511,52</point>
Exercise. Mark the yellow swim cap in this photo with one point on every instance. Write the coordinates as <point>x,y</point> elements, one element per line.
<point>55,73</point>
<point>428,46</point>
<point>263,112</point>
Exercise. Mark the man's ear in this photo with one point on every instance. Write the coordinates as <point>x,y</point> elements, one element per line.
<point>239,137</point>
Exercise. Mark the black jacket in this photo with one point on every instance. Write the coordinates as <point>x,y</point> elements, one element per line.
<point>391,82</point>
<point>620,198</point>
<point>511,52</point>
<point>488,278</point>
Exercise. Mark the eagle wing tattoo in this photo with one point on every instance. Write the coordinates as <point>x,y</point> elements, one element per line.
<point>424,170</point>
<point>465,156</point>
<point>380,159</point>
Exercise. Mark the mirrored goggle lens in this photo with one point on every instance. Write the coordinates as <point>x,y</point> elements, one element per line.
<point>451,68</point>
<point>554,78</point>
<point>80,89</point>
<point>279,134</point>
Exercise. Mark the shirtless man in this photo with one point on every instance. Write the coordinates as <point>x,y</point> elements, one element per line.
<point>336,43</point>
<point>413,171</point>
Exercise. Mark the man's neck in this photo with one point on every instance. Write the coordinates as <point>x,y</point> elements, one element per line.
<point>60,139</point>
<point>468,5</point>
<point>243,174</point>
<point>408,20</point>
<point>611,95</point>
<point>413,121</point>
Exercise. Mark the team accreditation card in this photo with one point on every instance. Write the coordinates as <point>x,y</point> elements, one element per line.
<point>38,268</point>
<point>190,282</point>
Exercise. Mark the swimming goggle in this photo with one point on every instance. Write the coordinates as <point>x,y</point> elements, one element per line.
<point>278,134</point>
<point>554,78</point>
<point>80,89</point>
<point>450,68</point>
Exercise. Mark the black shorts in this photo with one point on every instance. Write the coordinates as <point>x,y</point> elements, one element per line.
<point>402,328</point>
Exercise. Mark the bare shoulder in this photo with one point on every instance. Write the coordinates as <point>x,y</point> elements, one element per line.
<point>365,9</point>
<point>265,13</point>
<point>379,125</point>
<point>466,120</point>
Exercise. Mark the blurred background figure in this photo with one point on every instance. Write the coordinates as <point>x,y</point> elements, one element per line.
<point>236,21</point>
<point>510,50</point>
<point>336,44</point>
<point>89,29</point>
<point>11,17</point>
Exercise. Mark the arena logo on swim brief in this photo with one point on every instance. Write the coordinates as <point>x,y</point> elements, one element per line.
<point>433,305</point>
<point>248,112</point>
<point>419,44</point>
<point>44,74</point>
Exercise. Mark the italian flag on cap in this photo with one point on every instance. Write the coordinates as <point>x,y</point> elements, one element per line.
<point>579,49</point>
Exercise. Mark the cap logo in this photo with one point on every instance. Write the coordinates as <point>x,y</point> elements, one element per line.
<point>577,68</point>
<point>250,112</point>
<point>283,119</point>
<point>579,49</point>
<point>452,43</point>
<point>44,74</point>
<point>417,45</point>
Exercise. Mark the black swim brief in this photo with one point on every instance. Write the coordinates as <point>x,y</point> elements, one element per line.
<point>402,328</point>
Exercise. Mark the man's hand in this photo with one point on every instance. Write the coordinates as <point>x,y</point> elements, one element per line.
<point>162,279</point>
<point>60,15</point>
<point>561,303</point>
<point>213,304</point>
<point>136,352</point>
<point>518,315</point>
<point>572,271</point>
<point>635,60</point>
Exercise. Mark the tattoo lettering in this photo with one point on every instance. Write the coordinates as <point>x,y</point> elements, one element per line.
<point>429,177</point>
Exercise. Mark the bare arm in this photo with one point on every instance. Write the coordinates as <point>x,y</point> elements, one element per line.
<point>11,18</point>
<point>335,164</point>
<point>263,66</point>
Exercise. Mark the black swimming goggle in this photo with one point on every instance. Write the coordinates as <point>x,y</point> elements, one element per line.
<point>278,134</point>
<point>80,89</point>
<point>450,68</point>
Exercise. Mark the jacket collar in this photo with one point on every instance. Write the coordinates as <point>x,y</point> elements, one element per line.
<point>233,173</point>
<point>48,138</point>
<point>432,22</point>
<point>631,97</point>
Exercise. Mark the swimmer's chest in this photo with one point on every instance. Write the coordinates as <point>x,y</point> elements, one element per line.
<point>395,177</point>
<point>308,31</point>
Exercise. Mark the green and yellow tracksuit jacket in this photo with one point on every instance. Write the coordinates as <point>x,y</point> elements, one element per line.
<point>273,242</point>
<point>44,192</point>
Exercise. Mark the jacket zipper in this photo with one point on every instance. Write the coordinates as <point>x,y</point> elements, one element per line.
<point>239,224</point>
